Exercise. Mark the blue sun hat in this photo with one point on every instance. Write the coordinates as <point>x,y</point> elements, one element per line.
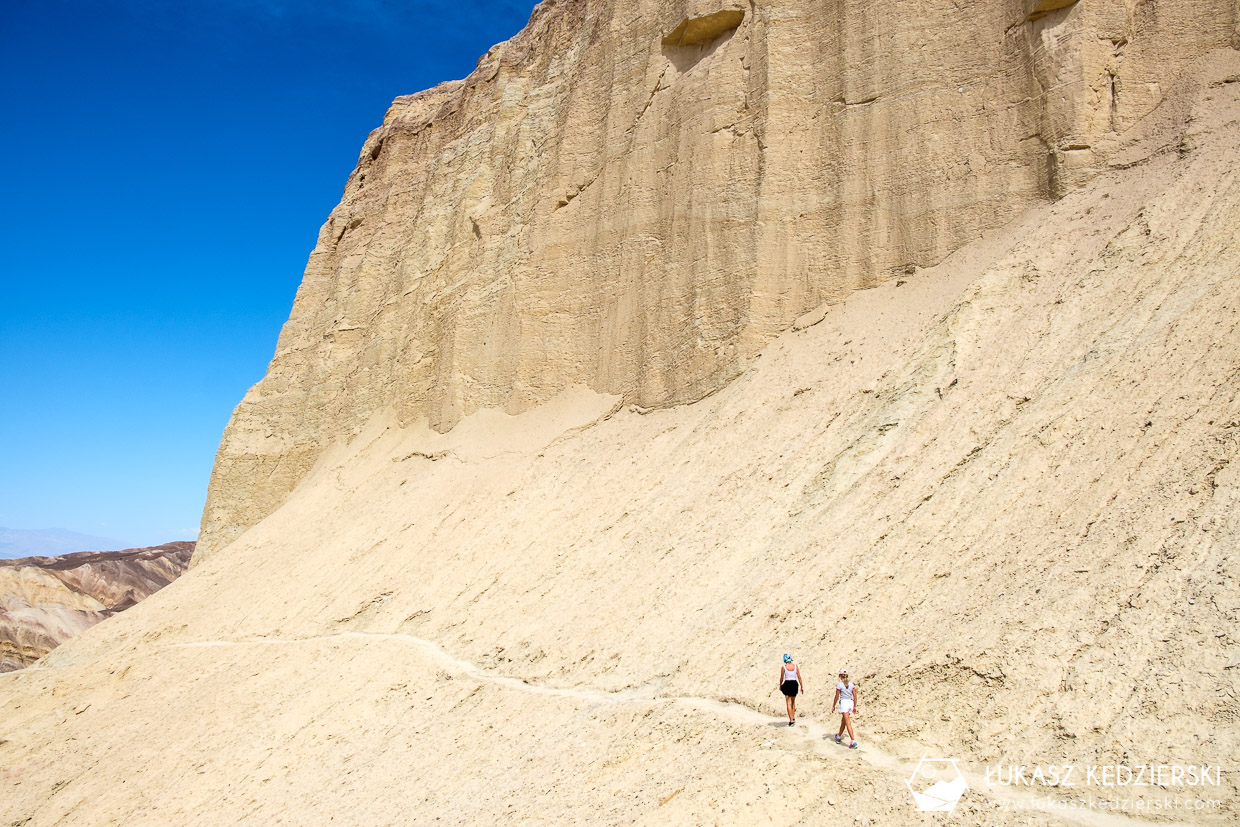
<point>787,658</point>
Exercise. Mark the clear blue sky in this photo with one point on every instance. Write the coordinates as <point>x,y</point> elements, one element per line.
<point>166,165</point>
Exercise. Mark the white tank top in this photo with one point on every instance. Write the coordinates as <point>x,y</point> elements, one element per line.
<point>846,692</point>
<point>790,674</point>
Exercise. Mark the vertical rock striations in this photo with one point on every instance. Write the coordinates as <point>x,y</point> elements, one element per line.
<point>637,196</point>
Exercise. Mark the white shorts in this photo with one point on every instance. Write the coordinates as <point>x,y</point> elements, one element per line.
<point>845,705</point>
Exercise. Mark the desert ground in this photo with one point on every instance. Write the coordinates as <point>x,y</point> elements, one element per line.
<point>999,490</point>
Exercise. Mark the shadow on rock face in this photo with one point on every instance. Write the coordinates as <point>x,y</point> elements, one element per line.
<point>698,37</point>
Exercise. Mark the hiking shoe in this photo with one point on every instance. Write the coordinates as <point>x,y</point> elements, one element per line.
<point>853,745</point>
<point>837,740</point>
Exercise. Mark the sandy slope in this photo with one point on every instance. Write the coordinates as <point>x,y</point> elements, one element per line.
<point>1000,490</point>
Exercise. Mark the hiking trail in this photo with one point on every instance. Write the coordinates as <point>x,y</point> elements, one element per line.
<point>806,732</point>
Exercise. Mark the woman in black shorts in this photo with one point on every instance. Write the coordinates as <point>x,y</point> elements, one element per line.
<point>790,684</point>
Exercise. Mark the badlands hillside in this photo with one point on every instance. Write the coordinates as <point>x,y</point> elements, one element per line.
<point>44,601</point>
<point>678,336</point>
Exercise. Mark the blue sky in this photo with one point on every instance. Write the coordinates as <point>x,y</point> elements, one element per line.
<point>166,165</point>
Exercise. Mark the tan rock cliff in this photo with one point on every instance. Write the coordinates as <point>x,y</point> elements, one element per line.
<point>638,196</point>
<point>1003,490</point>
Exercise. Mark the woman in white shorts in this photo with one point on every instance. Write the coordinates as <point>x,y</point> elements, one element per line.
<point>847,698</point>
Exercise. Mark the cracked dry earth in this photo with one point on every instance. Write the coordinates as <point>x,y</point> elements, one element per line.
<point>1001,490</point>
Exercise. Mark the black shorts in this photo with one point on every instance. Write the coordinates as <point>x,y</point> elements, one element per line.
<point>790,688</point>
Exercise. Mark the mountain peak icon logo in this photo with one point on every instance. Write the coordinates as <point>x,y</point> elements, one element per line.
<point>937,784</point>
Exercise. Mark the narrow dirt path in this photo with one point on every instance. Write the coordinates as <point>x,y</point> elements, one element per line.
<point>808,732</point>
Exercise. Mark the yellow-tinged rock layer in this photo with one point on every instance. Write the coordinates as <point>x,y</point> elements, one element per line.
<point>1002,490</point>
<point>637,196</point>
<point>493,572</point>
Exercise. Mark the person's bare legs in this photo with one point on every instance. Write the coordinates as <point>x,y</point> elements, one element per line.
<point>792,708</point>
<point>846,723</point>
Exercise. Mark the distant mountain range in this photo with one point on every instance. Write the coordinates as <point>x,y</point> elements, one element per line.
<point>50,542</point>
<point>44,601</point>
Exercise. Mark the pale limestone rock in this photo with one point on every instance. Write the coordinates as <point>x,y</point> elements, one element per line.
<point>704,26</point>
<point>1005,493</point>
<point>638,196</point>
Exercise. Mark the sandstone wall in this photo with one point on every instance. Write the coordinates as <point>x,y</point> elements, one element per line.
<point>1004,491</point>
<point>636,196</point>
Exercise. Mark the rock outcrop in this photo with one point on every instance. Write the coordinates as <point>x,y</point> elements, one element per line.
<point>638,196</point>
<point>1004,490</point>
<point>44,601</point>
<point>582,418</point>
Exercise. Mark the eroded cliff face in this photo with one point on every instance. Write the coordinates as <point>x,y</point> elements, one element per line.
<point>1004,491</point>
<point>44,601</point>
<point>637,196</point>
